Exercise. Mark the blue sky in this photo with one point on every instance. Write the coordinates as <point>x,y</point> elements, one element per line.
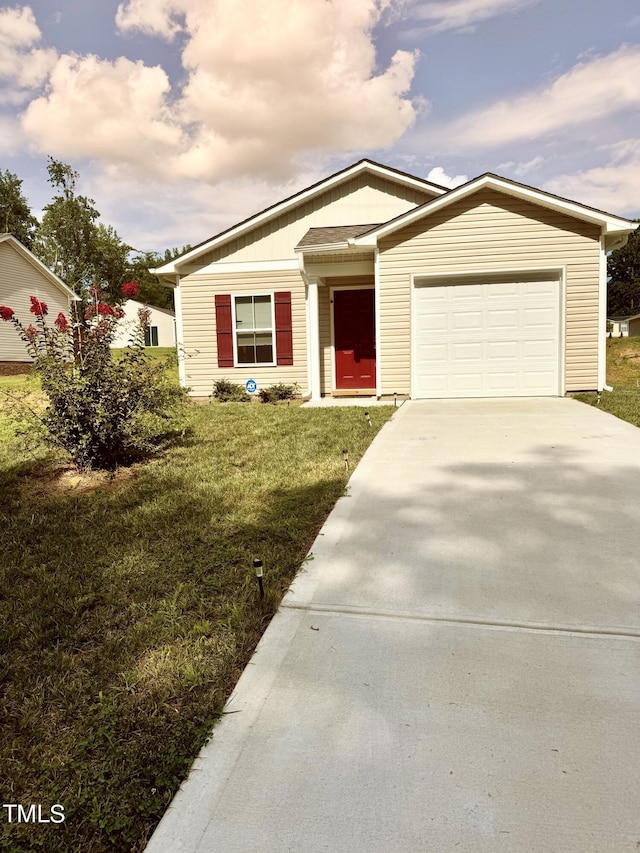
<point>185,116</point>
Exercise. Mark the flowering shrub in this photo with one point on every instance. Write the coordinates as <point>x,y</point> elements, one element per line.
<point>103,410</point>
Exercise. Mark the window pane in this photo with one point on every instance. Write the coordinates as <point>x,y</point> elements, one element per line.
<point>244,312</point>
<point>154,336</point>
<point>246,349</point>
<point>262,307</point>
<point>264,348</point>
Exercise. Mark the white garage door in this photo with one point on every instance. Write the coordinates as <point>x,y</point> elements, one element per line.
<point>490,338</point>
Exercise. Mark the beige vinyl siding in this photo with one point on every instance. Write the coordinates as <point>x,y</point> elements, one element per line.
<point>364,199</point>
<point>491,231</point>
<point>19,279</point>
<point>199,329</point>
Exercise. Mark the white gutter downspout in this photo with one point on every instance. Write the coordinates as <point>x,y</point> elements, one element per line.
<point>602,319</point>
<point>376,281</point>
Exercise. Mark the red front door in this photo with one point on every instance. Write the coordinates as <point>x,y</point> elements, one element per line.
<point>354,338</point>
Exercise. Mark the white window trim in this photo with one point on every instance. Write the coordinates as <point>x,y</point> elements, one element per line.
<point>236,363</point>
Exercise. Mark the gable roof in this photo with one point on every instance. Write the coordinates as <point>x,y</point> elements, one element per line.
<point>344,175</point>
<point>42,268</point>
<point>609,223</point>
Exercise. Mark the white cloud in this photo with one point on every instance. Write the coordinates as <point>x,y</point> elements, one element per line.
<point>107,110</point>
<point>11,136</point>
<point>438,176</point>
<point>256,99</point>
<point>22,65</point>
<point>614,187</point>
<point>440,15</point>
<point>593,90</point>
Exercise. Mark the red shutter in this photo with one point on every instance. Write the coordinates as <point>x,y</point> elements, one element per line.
<point>224,330</point>
<point>284,332</point>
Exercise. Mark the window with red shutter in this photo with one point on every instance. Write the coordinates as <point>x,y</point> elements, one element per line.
<point>284,330</point>
<point>252,339</point>
<point>224,330</point>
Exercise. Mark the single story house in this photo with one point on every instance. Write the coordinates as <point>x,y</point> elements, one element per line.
<point>633,325</point>
<point>619,326</point>
<point>376,282</point>
<point>161,331</point>
<point>22,275</point>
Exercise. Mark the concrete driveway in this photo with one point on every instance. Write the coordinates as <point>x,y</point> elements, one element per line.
<point>458,667</point>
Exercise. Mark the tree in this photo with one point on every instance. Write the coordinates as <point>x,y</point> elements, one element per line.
<point>66,240</point>
<point>151,291</point>
<point>111,262</point>
<point>623,268</point>
<point>103,411</point>
<point>15,214</point>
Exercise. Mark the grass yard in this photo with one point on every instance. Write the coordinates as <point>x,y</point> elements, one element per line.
<point>623,374</point>
<point>128,605</point>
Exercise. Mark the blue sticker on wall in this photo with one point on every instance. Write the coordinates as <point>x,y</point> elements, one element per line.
<point>251,385</point>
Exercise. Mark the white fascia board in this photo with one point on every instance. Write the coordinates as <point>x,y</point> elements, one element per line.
<point>294,201</point>
<point>37,263</point>
<point>608,223</point>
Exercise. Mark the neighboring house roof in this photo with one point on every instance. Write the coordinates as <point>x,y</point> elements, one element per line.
<point>333,234</point>
<point>610,224</point>
<point>135,302</point>
<point>625,319</point>
<point>293,201</point>
<point>31,258</point>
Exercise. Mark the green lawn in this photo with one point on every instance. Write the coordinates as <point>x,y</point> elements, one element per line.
<point>128,606</point>
<point>623,374</point>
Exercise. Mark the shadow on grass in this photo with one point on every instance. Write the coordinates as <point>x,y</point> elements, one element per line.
<point>128,610</point>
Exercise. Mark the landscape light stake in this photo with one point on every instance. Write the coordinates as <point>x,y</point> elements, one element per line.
<point>368,417</point>
<point>345,456</point>
<point>395,399</point>
<point>257,565</point>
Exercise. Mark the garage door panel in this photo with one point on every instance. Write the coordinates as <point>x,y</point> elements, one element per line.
<point>539,318</point>
<point>497,350</point>
<point>466,320</point>
<point>497,319</point>
<point>499,383</point>
<point>467,351</point>
<point>539,349</point>
<point>495,338</point>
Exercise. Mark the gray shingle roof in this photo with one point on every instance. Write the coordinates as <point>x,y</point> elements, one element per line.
<point>333,234</point>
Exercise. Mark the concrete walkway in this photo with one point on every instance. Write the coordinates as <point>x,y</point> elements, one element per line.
<point>458,667</point>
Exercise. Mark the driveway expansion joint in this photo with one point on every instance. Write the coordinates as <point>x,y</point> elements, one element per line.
<point>506,625</point>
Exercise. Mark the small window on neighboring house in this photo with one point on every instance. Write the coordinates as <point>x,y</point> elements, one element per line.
<point>151,336</point>
<point>254,329</point>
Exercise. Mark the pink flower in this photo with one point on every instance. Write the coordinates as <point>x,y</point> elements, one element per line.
<point>90,312</point>
<point>130,289</point>
<point>144,315</point>
<point>38,308</point>
<point>105,310</point>
<point>6,313</point>
<point>62,324</point>
<point>119,312</point>
<point>31,332</point>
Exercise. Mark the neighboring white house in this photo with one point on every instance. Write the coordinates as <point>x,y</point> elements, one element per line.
<point>22,275</point>
<point>161,331</point>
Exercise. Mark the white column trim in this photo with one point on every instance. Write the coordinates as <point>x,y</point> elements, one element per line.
<point>376,298</point>
<point>313,334</point>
